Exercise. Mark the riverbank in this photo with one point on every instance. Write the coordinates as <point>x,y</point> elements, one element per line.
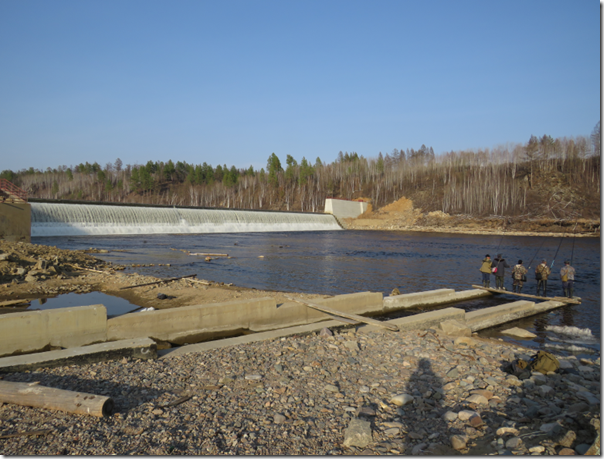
<point>318,394</point>
<point>341,391</point>
<point>401,215</point>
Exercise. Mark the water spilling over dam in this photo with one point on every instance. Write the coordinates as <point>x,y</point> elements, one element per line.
<point>61,219</point>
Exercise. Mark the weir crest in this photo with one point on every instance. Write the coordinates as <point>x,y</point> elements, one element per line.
<point>60,219</point>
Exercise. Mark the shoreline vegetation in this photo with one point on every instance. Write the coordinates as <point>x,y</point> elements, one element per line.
<point>545,182</point>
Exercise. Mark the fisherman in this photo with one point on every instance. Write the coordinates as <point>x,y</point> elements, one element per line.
<point>499,265</point>
<point>485,269</point>
<point>541,273</point>
<point>567,274</point>
<point>519,276</point>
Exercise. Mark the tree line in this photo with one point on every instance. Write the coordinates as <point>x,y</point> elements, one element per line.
<point>544,177</point>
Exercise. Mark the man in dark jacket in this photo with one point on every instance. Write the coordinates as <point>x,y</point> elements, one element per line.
<point>499,264</point>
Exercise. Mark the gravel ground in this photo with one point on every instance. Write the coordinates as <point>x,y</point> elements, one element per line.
<point>350,393</point>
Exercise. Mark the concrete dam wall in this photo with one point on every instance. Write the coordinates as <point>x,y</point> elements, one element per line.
<point>66,219</point>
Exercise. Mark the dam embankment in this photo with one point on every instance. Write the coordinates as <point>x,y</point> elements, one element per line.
<point>78,219</point>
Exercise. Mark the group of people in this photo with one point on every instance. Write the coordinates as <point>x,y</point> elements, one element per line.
<point>497,267</point>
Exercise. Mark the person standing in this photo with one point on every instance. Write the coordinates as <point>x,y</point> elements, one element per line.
<point>485,269</point>
<point>567,274</point>
<point>499,265</point>
<point>519,276</point>
<point>541,273</point>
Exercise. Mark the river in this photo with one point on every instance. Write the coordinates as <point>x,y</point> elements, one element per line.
<point>338,262</point>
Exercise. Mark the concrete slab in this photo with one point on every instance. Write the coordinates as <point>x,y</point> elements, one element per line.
<point>496,315</point>
<point>140,348</point>
<point>421,321</point>
<point>34,331</point>
<point>412,300</point>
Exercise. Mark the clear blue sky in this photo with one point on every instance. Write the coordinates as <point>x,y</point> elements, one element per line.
<point>230,81</point>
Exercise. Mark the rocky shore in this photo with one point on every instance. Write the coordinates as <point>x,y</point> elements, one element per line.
<point>348,392</point>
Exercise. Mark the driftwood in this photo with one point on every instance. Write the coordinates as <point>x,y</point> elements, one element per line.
<point>29,433</point>
<point>170,279</point>
<point>32,394</point>
<point>13,303</point>
<point>87,269</point>
<point>562,299</point>
<point>197,281</point>
<point>347,315</point>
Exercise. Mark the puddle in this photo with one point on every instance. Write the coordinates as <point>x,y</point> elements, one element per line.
<point>115,306</point>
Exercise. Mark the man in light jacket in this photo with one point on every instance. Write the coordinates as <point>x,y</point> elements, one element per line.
<point>567,274</point>
<point>541,273</point>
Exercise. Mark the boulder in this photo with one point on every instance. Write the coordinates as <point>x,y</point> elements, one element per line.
<point>358,433</point>
<point>519,333</point>
<point>455,328</point>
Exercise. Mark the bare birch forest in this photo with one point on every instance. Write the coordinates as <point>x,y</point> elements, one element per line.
<point>544,178</point>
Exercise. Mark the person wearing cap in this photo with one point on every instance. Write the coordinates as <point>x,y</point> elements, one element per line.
<point>519,276</point>
<point>485,269</point>
<point>567,274</point>
<point>541,273</point>
<point>499,265</point>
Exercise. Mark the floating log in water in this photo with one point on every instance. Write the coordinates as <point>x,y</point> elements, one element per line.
<point>562,299</point>
<point>32,394</point>
<point>170,279</point>
<point>347,315</point>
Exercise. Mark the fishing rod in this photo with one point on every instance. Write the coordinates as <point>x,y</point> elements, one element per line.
<point>572,253</point>
<point>535,256</point>
<point>561,239</point>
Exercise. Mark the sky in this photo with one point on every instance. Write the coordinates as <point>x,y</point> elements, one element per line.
<point>232,81</point>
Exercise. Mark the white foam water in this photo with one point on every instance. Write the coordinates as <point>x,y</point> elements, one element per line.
<point>570,348</point>
<point>59,219</point>
<point>572,334</point>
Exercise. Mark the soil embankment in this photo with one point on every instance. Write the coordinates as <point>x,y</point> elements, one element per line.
<point>401,215</point>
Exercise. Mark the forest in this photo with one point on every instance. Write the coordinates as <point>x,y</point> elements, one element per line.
<point>543,178</point>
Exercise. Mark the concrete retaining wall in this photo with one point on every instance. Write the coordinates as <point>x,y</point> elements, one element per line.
<point>342,208</point>
<point>32,331</point>
<point>15,221</point>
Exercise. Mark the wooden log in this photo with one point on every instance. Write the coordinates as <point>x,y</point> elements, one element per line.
<point>32,394</point>
<point>347,315</point>
<point>562,299</point>
<point>197,281</point>
<point>160,281</point>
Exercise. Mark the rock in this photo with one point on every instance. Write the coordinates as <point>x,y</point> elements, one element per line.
<point>513,443</point>
<point>455,328</point>
<point>476,421</point>
<point>458,442</point>
<point>478,399</point>
<point>519,333</point>
<point>352,345</point>
<point>550,427</point>
<point>485,393</point>
<point>453,373</point>
<point>538,379</point>
<point>545,390</point>
<point>278,419</point>
<point>358,433</point>
<point>366,410</point>
<point>418,449</point>
<point>253,377</point>
<point>325,332</point>
<point>567,452</point>
<point>465,415</point>
<point>331,388</point>
<point>537,449</point>
<point>30,279</point>
<point>582,449</point>
<point>568,439</point>
<point>465,341</point>
<point>450,416</point>
<point>392,431</point>
<point>402,399</point>
<point>506,430</point>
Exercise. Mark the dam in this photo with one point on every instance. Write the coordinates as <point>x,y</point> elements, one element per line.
<point>79,219</point>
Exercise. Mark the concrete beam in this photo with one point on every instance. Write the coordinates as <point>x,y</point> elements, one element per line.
<point>421,321</point>
<point>430,298</point>
<point>33,331</point>
<point>141,348</point>
<point>191,324</point>
<point>496,315</point>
